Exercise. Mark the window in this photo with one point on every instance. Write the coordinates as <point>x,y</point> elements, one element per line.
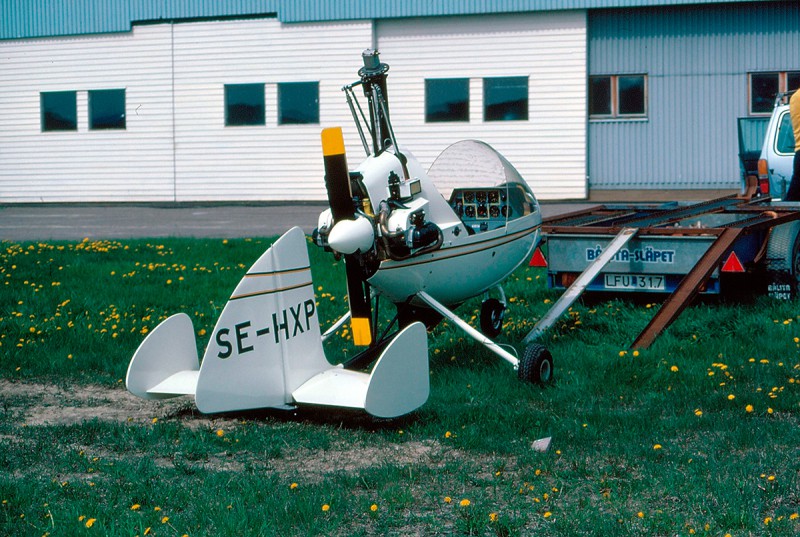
<point>298,103</point>
<point>244,104</point>
<point>765,87</point>
<point>107,109</point>
<point>505,98</point>
<point>446,99</point>
<point>617,96</point>
<point>59,111</point>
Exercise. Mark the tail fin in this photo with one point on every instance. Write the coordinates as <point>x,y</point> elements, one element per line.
<point>266,348</point>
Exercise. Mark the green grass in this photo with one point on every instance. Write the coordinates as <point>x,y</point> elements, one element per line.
<point>698,435</point>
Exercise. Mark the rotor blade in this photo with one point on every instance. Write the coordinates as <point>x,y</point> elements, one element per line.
<point>360,306</point>
<point>340,198</point>
<point>337,176</point>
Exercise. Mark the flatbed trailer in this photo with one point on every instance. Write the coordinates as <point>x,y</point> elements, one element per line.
<point>674,249</point>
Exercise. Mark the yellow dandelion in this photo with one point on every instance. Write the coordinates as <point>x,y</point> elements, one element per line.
<point>493,517</point>
<point>674,368</point>
<point>164,520</point>
<point>90,522</point>
<point>448,499</point>
<point>135,507</point>
<point>548,514</point>
<point>220,433</point>
<point>293,486</point>
<point>622,353</point>
<point>657,447</point>
<point>373,507</point>
<point>748,409</point>
<point>698,412</point>
<point>464,503</point>
<point>448,434</point>
<point>731,397</point>
<point>635,353</point>
<point>794,516</point>
<point>147,531</point>
<point>640,514</point>
<point>326,508</point>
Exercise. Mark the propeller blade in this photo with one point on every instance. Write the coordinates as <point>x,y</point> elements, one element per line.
<point>360,306</point>
<point>337,176</point>
<point>340,199</point>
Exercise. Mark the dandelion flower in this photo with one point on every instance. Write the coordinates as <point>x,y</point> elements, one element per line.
<point>748,409</point>
<point>448,499</point>
<point>640,514</point>
<point>293,486</point>
<point>164,520</point>
<point>493,517</point>
<point>657,447</point>
<point>135,507</point>
<point>90,522</point>
<point>220,433</point>
<point>326,508</point>
<point>674,368</point>
<point>373,507</point>
<point>464,503</point>
<point>731,397</point>
<point>548,514</point>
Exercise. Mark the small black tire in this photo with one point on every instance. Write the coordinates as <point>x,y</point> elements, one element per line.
<point>492,313</point>
<point>536,365</point>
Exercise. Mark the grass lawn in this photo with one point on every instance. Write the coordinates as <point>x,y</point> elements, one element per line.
<point>698,435</point>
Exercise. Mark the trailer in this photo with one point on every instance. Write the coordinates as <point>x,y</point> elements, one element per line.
<point>675,250</point>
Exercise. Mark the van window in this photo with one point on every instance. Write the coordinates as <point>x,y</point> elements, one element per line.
<point>785,142</point>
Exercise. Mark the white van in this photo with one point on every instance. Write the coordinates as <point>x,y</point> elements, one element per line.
<point>775,164</point>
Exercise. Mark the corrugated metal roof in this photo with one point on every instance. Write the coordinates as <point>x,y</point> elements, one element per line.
<point>46,18</point>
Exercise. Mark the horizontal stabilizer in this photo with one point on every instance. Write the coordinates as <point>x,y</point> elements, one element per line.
<point>181,383</point>
<point>399,382</point>
<point>165,364</point>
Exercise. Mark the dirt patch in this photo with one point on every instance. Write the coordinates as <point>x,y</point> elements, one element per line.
<point>49,404</point>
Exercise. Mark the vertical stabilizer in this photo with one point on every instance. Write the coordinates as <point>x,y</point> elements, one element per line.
<point>270,319</point>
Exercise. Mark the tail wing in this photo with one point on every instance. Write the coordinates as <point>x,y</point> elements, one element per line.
<point>266,350</point>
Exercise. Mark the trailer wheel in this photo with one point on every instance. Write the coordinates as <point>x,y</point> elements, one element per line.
<point>492,313</point>
<point>536,365</point>
<point>782,261</point>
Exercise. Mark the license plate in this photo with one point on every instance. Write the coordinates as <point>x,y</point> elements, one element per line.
<point>635,282</point>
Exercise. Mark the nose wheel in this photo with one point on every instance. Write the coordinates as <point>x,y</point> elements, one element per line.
<point>536,364</point>
<point>492,313</point>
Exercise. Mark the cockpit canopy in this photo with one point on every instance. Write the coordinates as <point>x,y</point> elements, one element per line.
<point>482,187</point>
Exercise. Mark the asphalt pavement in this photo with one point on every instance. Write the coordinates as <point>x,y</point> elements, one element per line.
<point>68,222</point>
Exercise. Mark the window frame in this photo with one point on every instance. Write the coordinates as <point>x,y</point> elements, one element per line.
<point>614,97</point>
<point>43,110</point>
<point>315,115</point>
<point>783,87</point>
<point>260,120</point>
<point>118,125</point>
<point>463,116</point>
<point>487,82</point>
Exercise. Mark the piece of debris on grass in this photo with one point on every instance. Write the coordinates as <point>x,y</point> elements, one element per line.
<point>541,445</point>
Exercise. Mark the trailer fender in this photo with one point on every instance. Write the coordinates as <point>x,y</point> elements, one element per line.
<point>782,261</point>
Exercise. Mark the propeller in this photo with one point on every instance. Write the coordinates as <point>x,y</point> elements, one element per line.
<point>340,199</point>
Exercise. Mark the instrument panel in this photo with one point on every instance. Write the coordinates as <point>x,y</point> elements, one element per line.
<point>481,209</point>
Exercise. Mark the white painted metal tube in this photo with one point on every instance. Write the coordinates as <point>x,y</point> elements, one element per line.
<point>579,285</point>
<point>472,332</point>
<point>338,324</point>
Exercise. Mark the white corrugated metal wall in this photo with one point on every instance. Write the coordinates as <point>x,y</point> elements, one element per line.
<point>175,146</point>
<point>550,48</point>
<point>131,164</point>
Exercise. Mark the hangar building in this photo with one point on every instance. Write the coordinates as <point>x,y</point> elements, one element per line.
<point>199,100</point>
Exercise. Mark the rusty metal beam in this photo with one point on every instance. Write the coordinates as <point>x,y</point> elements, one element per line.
<point>687,289</point>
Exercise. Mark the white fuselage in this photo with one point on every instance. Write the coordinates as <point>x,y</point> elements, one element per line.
<point>467,263</point>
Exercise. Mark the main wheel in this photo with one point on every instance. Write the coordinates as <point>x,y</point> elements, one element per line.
<point>492,313</point>
<point>536,364</point>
